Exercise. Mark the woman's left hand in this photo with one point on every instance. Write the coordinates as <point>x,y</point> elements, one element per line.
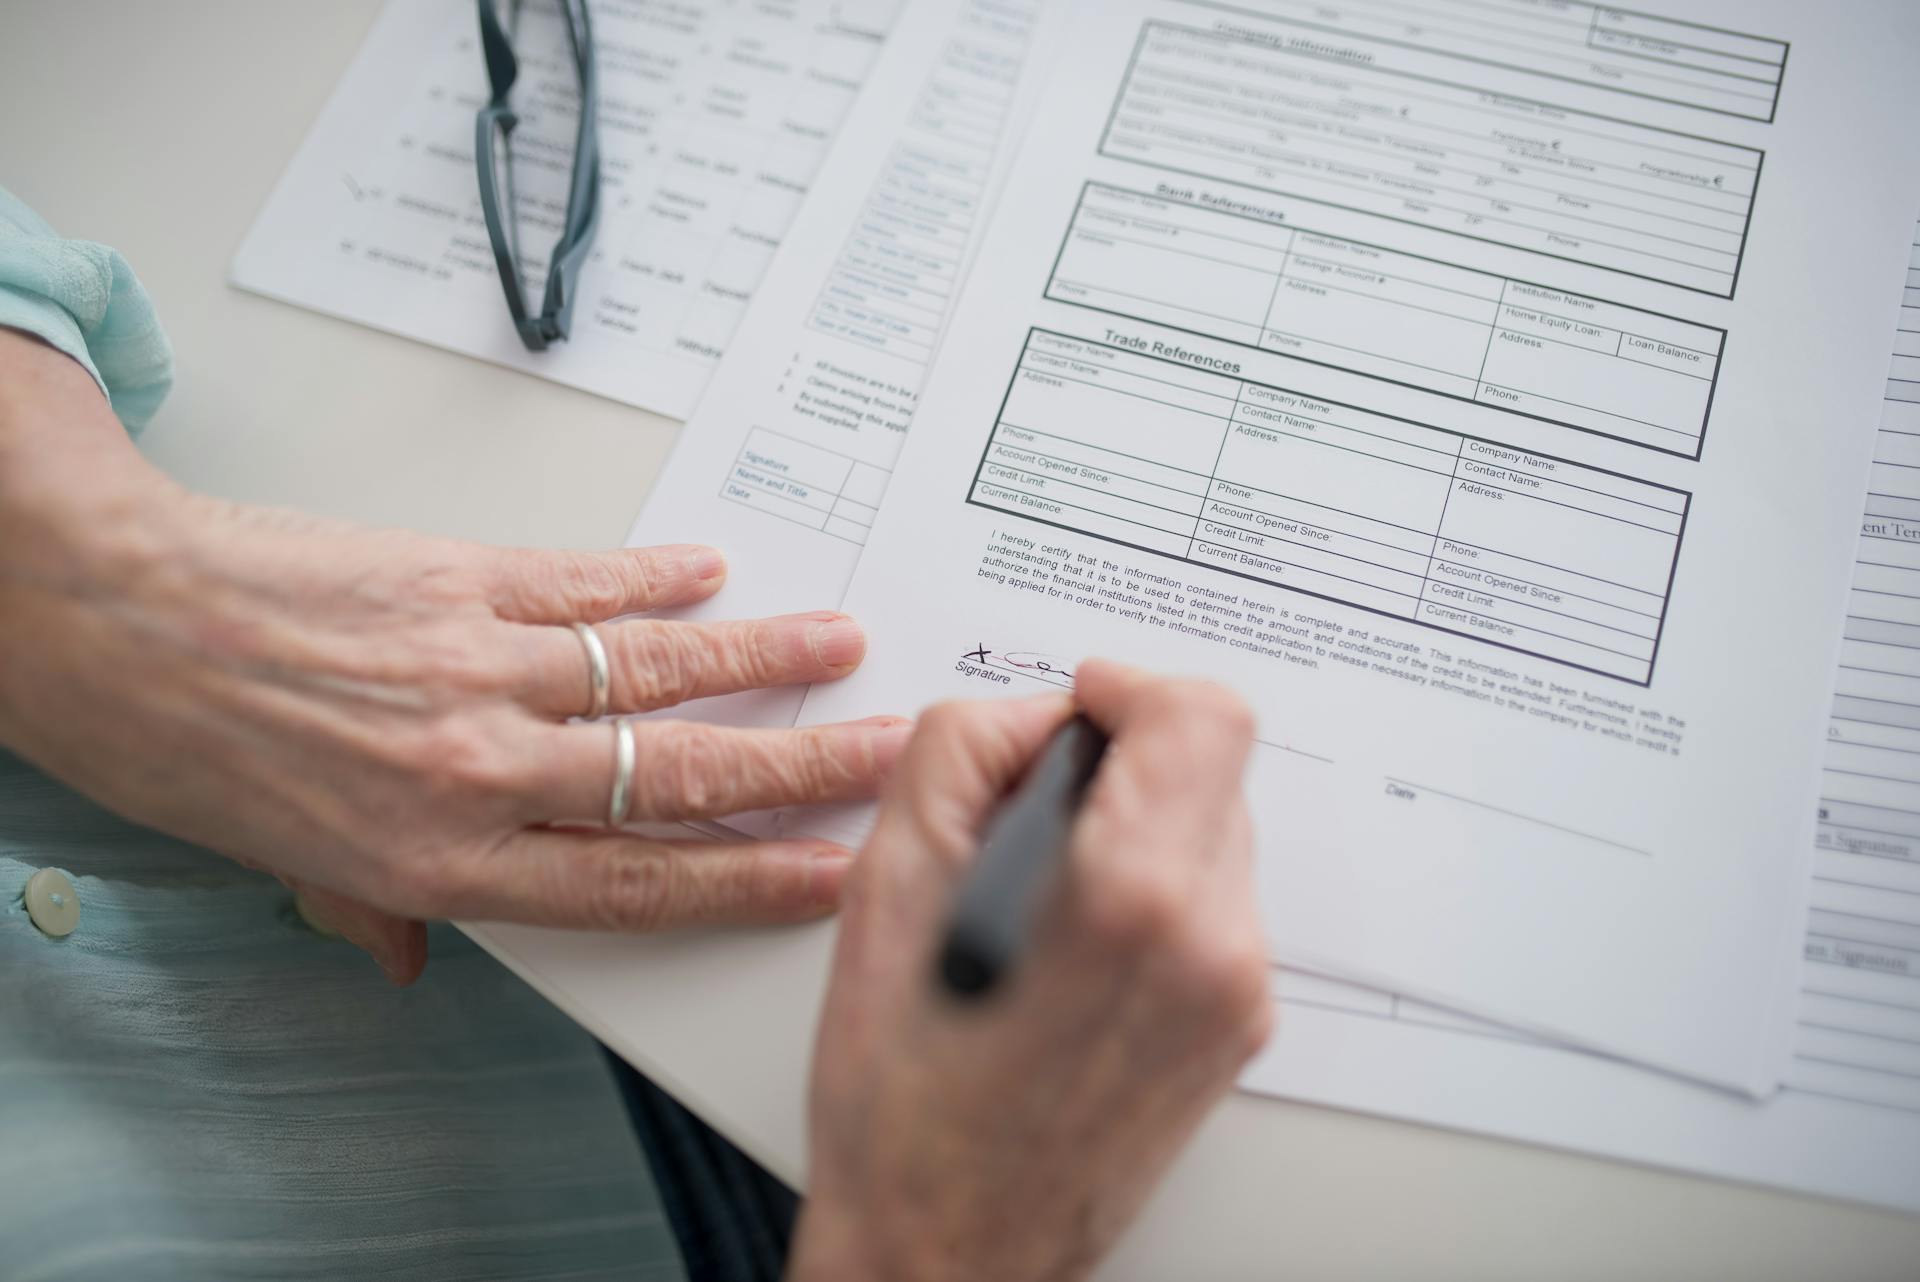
<point>381,718</point>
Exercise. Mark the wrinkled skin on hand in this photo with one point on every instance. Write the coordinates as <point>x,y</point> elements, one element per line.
<point>379,717</point>
<point>1013,1139</point>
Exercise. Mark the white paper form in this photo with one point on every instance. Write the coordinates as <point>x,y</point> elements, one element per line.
<point>714,116</point>
<point>786,460</point>
<point>1385,374</point>
<point>1846,1122</point>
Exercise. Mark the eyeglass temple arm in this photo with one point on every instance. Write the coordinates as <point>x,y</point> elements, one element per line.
<point>583,200</point>
<point>497,47</point>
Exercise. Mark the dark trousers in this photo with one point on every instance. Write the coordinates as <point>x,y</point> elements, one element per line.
<point>733,1220</point>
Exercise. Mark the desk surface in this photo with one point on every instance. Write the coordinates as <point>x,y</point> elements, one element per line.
<point>160,129</point>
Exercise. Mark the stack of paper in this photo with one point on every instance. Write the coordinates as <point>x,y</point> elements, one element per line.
<point>1379,379</point>
<point>1485,390</point>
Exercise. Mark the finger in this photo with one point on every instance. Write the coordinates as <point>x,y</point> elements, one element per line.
<point>1237,845</point>
<point>1214,968</point>
<point>962,760</point>
<point>689,770</point>
<point>1181,743</point>
<point>397,944</point>
<point>654,664</point>
<point>528,585</point>
<point>1172,776</point>
<point>601,881</point>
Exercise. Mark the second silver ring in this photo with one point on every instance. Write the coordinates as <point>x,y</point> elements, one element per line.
<point>620,801</point>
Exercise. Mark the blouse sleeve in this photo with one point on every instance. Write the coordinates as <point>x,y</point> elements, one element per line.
<point>84,299</point>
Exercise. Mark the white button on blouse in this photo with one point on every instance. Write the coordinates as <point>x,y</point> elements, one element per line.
<point>52,903</point>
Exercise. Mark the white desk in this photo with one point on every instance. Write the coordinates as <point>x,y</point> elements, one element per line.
<point>159,128</point>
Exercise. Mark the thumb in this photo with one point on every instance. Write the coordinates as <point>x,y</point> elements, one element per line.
<point>397,944</point>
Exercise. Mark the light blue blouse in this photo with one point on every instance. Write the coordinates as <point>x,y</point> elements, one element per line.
<point>194,1085</point>
<point>84,299</point>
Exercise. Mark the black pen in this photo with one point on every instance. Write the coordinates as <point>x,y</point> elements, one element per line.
<point>1018,858</point>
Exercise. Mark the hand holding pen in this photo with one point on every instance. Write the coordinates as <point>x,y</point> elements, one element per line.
<point>1050,1104</point>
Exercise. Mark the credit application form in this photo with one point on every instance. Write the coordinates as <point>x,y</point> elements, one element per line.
<point>1485,391</point>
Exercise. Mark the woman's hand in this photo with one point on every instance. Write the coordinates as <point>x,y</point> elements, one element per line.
<point>380,718</point>
<point>1013,1140</point>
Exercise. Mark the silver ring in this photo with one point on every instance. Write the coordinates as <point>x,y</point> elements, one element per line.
<point>599,675</point>
<point>620,803</point>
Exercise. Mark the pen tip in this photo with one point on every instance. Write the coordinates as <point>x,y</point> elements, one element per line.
<point>964,971</point>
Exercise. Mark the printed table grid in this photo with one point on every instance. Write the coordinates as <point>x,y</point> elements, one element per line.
<point>818,488</point>
<point>1331,300</point>
<point>1468,536</point>
<point>1426,150</point>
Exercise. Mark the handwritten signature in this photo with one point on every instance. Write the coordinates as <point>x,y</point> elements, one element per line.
<point>1030,663</point>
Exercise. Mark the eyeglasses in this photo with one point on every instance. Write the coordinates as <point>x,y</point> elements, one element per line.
<point>493,154</point>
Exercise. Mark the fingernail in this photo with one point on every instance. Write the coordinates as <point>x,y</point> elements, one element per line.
<point>887,740</point>
<point>838,642</point>
<point>706,564</point>
<point>314,919</point>
<point>827,876</point>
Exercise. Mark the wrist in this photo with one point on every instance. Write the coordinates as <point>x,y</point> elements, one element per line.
<point>76,497</point>
<point>830,1246</point>
<point>82,514</point>
<point>837,1242</point>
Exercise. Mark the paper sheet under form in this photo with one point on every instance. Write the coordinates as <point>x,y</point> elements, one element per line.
<point>714,116</point>
<point>1450,380</point>
<point>785,462</point>
<point>1846,1122</point>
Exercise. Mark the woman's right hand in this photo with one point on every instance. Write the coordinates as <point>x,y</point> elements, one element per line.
<point>380,718</point>
<point>1013,1140</point>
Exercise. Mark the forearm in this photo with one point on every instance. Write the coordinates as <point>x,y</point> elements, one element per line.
<point>78,504</point>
